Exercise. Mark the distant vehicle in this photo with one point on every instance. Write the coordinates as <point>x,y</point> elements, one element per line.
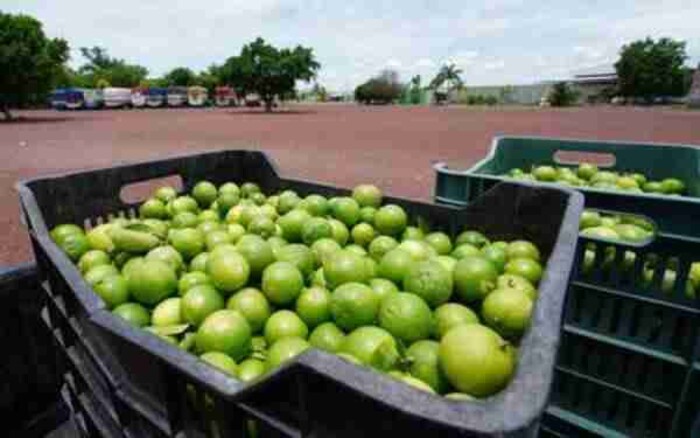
<point>197,96</point>
<point>67,98</point>
<point>177,96</point>
<point>252,100</point>
<point>93,99</point>
<point>138,97</point>
<point>116,97</point>
<point>225,96</point>
<point>156,97</point>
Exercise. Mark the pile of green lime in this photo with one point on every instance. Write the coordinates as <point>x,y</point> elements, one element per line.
<point>588,175</point>
<point>248,281</point>
<point>626,228</point>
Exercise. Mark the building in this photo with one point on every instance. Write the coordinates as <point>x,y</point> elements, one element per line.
<point>596,84</point>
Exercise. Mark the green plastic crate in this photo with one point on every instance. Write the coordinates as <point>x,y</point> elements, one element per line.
<point>629,358</point>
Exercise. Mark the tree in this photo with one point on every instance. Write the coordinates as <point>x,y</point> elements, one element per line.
<point>30,63</point>
<point>180,76</point>
<point>102,68</point>
<point>562,95</point>
<point>448,78</point>
<point>382,89</point>
<point>648,68</point>
<point>415,90</point>
<point>268,71</point>
<point>210,78</point>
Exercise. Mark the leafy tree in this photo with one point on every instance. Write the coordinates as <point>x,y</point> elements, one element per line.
<point>649,68</point>
<point>415,90</point>
<point>268,71</point>
<point>382,89</point>
<point>101,67</point>
<point>448,78</point>
<point>181,76</point>
<point>562,95</point>
<point>210,78</point>
<point>30,63</point>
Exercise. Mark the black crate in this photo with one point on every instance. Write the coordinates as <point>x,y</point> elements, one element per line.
<point>317,394</point>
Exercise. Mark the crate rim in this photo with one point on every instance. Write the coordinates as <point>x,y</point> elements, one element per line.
<point>501,413</point>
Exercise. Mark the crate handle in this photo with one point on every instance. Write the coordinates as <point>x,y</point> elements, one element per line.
<point>139,191</point>
<point>601,159</point>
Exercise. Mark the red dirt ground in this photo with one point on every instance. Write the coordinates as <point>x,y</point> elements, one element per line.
<point>340,144</point>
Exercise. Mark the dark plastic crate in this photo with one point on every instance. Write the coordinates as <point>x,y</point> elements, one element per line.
<point>317,394</point>
<point>629,355</point>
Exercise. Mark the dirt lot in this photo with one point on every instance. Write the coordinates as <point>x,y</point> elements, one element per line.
<point>340,144</point>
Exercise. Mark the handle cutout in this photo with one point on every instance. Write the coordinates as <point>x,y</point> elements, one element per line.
<point>600,159</point>
<point>142,190</point>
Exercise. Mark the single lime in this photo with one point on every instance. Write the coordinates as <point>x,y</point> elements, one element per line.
<point>249,188</point>
<point>472,237</point>
<point>92,258</point>
<point>262,226</point>
<point>183,203</point>
<point>250,369</point>
<point>284,324</point>
<point>362,234</point>
<point>354,305</point>
<point>221,361</point>
<point>522,249</point>
<point>511,281</point>
<point>327,337</point>
<point>284,350</point>
<point>367,195</point>
<point>508,312</point>
<point>185,219</point>
<point>447,262</point>
<point>282,283</point>
<point>169,255</point>
<point>165,193</point>
<point>257,252</point>
<point>430,281</point>
<point>450,315</point>
<point>292,224</point>
<point>153,208</point>
<point>390,220</point>
<point>406,316</point>
<point>199,302</point>
<point>367,215</point>
<point>187,241</point>
<point>168,312</point>
<point>199,262</point>
<point>346,210</point>
<point>423,357</point>
<point>340,231</point>
<point>324,248</point>
<point>133,313</point>
<point>75,245</point>
<point>205,193</point>
<point>313,306</point>
<point>151,281</point>
<point>299,255</point>
<point>316,205</point>
<point>474,278</point>
<point>395,265</point>
<point>465,250</point>
<point>527,268</point>
<point>372,346</point>
<point>113,289</point>
<point>226,331</point>
<point>412,233</point>
<point>253,305</point>
<point>440,242</point>
<point>497,256</point>
<point>344,267</point>
<point>383,288</point>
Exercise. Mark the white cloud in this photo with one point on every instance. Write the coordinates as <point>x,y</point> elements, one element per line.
<point>425,63</point>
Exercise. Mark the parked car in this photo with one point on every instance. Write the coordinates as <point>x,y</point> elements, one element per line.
<point>197,96</point>
<point>177,96</point>
<point>138,97</point>
<point>156,97</point>
<point>225,96</point>
<point>66,98</point>
<point>92,98</point>
<point>115,97</point>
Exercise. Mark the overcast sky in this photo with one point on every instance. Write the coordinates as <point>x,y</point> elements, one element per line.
<point>494,41</point>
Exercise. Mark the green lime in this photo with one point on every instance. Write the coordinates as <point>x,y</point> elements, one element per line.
<point>151,281</point>
<point>207,227</point>
<point>450,315</point>
<point>367,215</point>
<point>672,186</point>
<point>380,246</point>
<point>522,249</point>
<point>165,193</point>
<point>205,193</point>
<point>292,224</point>
<point>215,238</point>
<point>185,219</point>
<point>284,324</point>
<point>99,272</point>
<point>75,245</point>
<point>371,267</point>
<point>168,312</point>
<point>653,187</point>
<point>589,218</point>
<point>510,281</point>
<point>183,203</point>
<point>299,255</point>
<point>113,289</point>
<point>423,357</point>
<point>233,216</point>
<point>383,288</point>
<point>93,258</point>
<point>354,305</point>
<point>200,302</point>
<point>314,229</point>
<point>471,237</point>
<point>268,211</point>
<point>284,350</point>
<point>440,242</point>
<point>199,262</point>
<point>372,346</point>
<point>586,170</point>
<point>225,202</point>
<point>474,278</point>
<point>356,249</point>
<point>324,248</point>
<point>134,313</point>
<point>327,337</point>
<point>59,232</point>
<point>229,187</point>
<point>129,265</point>
<point>253,305</point>
<point>208,216</point>
<point>282,283</point>
<point>419,250</point>
<point>98,238</point>
<point>235,231</point>
<point>362,234</point>
<point>406,316</point>
<point>465,250</point>
<point>395,265</point>
<point>187,241</point>
<point>313,306</point>
<point>316,205</point>
<point>508,312</point>
<point>390,220</point>
<point>248,189</point>
<point>250,369</point>
<point>527,268</point>
<point>476,360</point>
<point>248,214</point>
<point>340,231</point>
<point>276,243</point>
<point>153,208</point>
<point>221,361</point>
<point>288,201</point>
<point>262,226</point>
<point>229,271</point>
<point>545,173</point>
<point>346,210</point>
<point>344,267</point>
<point>497,256</point>
<point>367,195</point>
<point>430,281</point>
<point>412,233</point>
<point>632,233</point>
<point>169,255</point>
<point>226,331</point>
<point>257,252</point>
<point>447,262</point>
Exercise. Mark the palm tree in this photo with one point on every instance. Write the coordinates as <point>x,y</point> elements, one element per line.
<point>447,79</point>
